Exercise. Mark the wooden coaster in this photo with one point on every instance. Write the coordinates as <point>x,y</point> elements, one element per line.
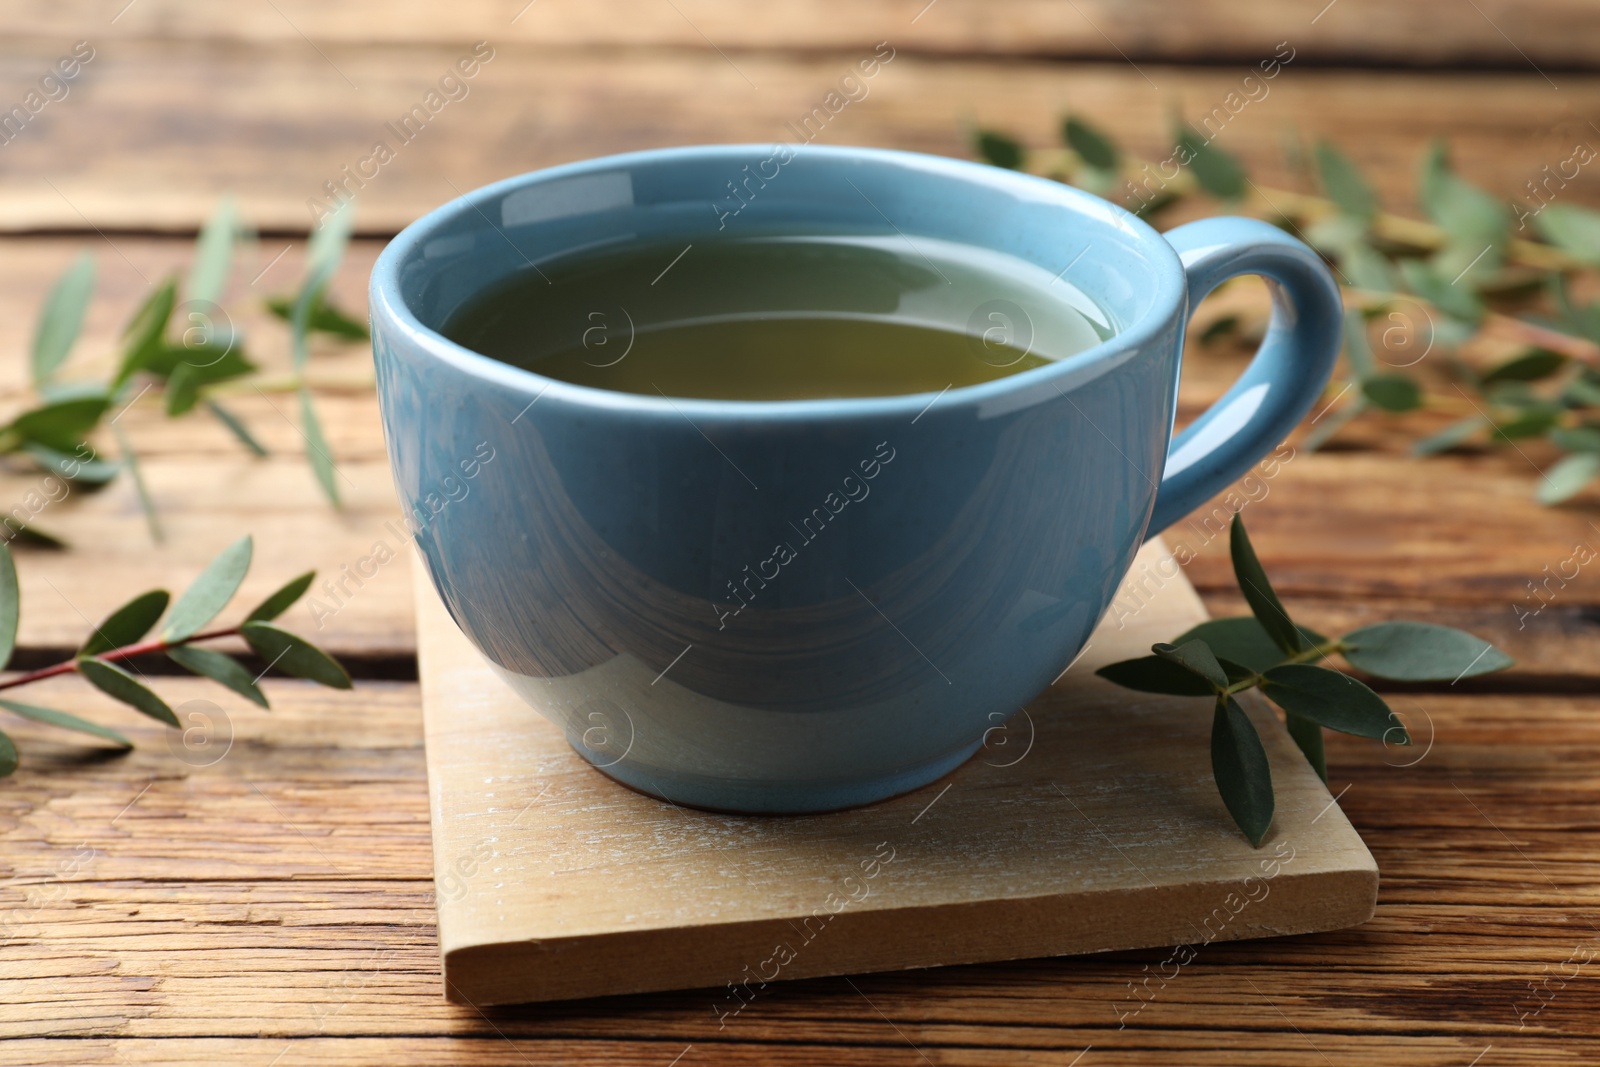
<point>1087,824</point>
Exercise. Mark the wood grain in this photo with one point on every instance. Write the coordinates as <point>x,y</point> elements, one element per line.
<point>1551,33</point>
<point>281,898</point>
<point>120,151</point>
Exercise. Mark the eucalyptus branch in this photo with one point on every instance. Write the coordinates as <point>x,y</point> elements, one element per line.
<point>185,352</point>
<point>1464,267</point>
<point>123,636</point>
<point>1268,651</point>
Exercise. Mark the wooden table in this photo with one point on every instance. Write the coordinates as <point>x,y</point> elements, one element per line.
<point>275,907</point>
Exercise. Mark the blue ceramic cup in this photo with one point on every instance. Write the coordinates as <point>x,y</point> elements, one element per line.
<point>801,605</point>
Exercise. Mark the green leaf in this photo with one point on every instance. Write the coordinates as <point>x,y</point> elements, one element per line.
<point>10,605</point>
<point>1342,182</point>
<point>1332,424</point>
<point>1567,477</point>
<point>62,317</point>
<point>280,601</point>
<point>147,503</point>
<point>1469,215</point>
<point>1357,349</point>
<point>1334,700</point>
<point>1092,146</point>
<point>1534,365</point>
<point>1196,658</point>
<point>1152,674</point>
<point>1576,438</point>
<point>1243,641</point>
<point>1458,301</point>
<point>998,149</point>
<point>142,338</point>
<point>219,667</point>
<point>1224,326</point>
<point>1457,433</point>
<point>294,654</point>
<point>61,425</point>
<point>118,684</point>
<point>127,624</point>
<point>325,318</point>
<point>1239,765</point>
<point>317,450</point>
<point>65,721</point>
<point>1258,592</point>
<point>237,427</point>
<point>1392,392</point>
<point>1218,172</point>
<point>1421,652</point>
<point>214,360</point>
<point>8,756</point>
<point>210,592</point>
<point>1530,424</point>
<point>89,472</point>
<point>1574,229</point>
<point>1367,268</point>
<point>33,534</point>
<point>213,254</point>
<point>1307,736</point>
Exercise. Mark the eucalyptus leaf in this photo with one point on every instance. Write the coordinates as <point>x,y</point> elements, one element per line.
<point>998,149</point>
<point>147,503</point>
<point>280,601</point>
<point>1152,674</point>
<point>210,592</point>
<point>10,605</point>
<point>236,427</point>
<point>1342,182</point>
<point>127,624</point>
<point>1455,300</point>
<point>1092,146</point>
<point>8,755</point>
<point>1258,591</point>
<point>1357,349</point>
<point>219,667</point>
<point>1242,640</point>
<point>1567,477</point>
<point>1533,365</point>
<point>1334,700</point>
<point>213,254</point>
<point>65,721</point>
<point>1457,433</point>
<point>317,450</point>
<point>61,318</point>
<point>118,684</point>
<point>1223,326</point>
<point>1367,268</point>
<point>1196,658</point>
<point>1467,213</point>
<point>1572,228</point>
<point>1239,765</point>
<point>1576,438</point>
<point>294,655</point>
<point>324,318</point>
<point>1392,392</point>
<point>1421,652</point>
<point>1307,737</point>
<point>142,338</point>
<point>89,472</point>
<point>61,425</point>
<point>1528,424</point>
<point>1218,172</point>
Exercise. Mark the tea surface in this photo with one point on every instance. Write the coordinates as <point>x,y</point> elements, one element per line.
<point>781,317</point>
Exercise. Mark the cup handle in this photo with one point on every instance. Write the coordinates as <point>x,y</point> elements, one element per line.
<point>1284,379</point>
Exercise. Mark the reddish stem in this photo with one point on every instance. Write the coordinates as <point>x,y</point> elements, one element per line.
<point>125,652</point>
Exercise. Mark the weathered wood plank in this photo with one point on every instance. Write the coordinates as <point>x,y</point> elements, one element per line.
<point>1549,32</point>
<point>121,149</point>
<point>157,910</point>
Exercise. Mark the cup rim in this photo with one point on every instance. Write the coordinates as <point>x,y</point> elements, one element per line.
<point>387,301</point>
